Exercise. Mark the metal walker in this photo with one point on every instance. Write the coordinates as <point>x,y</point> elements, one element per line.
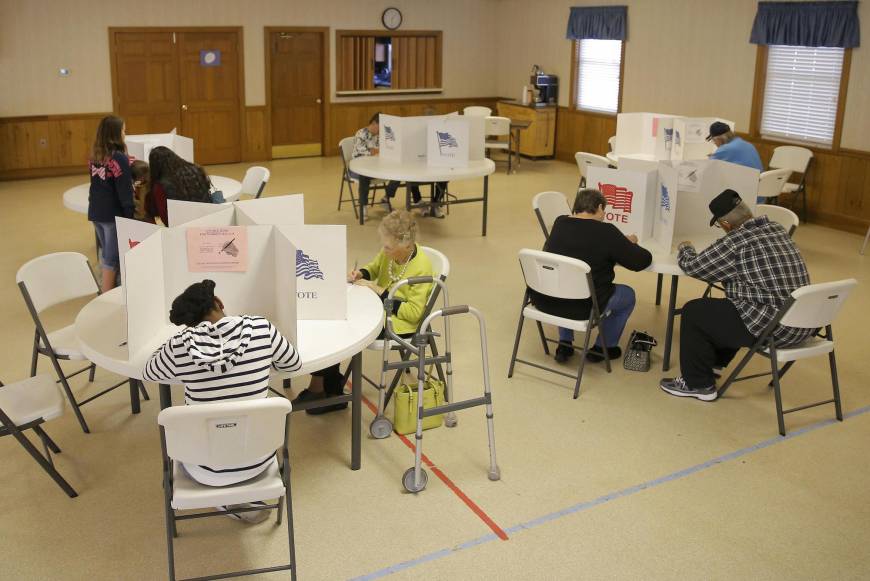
<point>416,478</point>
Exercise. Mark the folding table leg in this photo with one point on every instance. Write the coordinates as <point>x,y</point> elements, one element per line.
<point>356,419</point>
<point>669,333</point>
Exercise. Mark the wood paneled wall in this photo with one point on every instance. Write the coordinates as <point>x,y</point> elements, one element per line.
<point>579,131</point>
<point>257,145</point>
<point>46,145</point>
<point>838,184</point>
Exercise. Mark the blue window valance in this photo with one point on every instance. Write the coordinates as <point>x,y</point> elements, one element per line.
<point>833,24</point>
<point>598,22</point>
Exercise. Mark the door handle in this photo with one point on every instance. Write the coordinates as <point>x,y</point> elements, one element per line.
<point>318,100</point>
<point>184,107</point>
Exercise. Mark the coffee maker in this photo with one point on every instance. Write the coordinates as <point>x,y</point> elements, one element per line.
<point>546,88</point>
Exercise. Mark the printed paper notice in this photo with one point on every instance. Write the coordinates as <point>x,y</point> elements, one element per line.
<point>223,249</point>
<point>689,176</point>
<point>696,132</point>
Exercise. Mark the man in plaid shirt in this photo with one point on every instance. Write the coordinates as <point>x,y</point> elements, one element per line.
<point>759,266</point>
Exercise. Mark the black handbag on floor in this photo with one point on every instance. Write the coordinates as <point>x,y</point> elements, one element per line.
<point>637,352</point>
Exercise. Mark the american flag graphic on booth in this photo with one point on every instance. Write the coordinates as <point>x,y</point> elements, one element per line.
<point>388,133</point>
<point>618,197</point>
<point>307,267</point>
<point>446,140</point>
<point>666,198</point>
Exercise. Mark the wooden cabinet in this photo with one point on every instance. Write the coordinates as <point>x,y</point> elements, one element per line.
<point>539,139</point>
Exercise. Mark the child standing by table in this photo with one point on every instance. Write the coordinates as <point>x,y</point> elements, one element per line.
<point>140,173</point>
<point>111,193</point>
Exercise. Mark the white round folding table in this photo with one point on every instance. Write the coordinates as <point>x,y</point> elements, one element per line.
<point>101,330</point>
<point>76,198</point>
<point>376,167</point>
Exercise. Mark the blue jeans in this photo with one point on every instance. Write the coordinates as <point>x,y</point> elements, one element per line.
<point>617,311</point>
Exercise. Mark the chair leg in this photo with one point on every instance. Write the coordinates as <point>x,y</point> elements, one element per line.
<point>782,372</point>
<point>835,384</point>
<point>543,338</point>
<point>290,535</point>
<point>341,194</point>
<point>707,291</point>
<point>280,511</point>
<point>35,357</point>
<point>774,369</point>
<point>92,372</point>
<point>582,364</point>
<point>170,535</point>
<point>46,465</point>
<point>734,374</point>
<point>516,344</point>
<point>45,438</point>
<point>69,395</point>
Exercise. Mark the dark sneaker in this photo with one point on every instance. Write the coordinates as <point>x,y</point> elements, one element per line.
<point>677,386</point>
<point>306,395</point>
<point>564,352</point>
<point>319,411</point>
<point>595,355</point>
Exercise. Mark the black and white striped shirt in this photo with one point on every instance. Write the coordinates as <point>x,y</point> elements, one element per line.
<point>226,360</point>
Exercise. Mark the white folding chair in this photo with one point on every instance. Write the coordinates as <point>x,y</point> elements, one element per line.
<point>783,216</point>
<point>255,180</point>
<point>559,277</point>
<point>26,405</point>
<point>500,128</point>
<point>810,307</point>
<point>548,206</point>
<point>477,111</point>
<point>440,270</point>
<point>48,281</point>
<point>798,160</point>
<point>345,148</point>
<point>587,160</point>
<point>771,182</point>
<point>611,143</point>
<point>224,435</point>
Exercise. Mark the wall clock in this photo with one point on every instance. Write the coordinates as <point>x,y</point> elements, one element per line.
<point>392,18</point>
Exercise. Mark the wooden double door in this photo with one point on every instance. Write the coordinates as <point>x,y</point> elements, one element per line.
<point>188,79</point>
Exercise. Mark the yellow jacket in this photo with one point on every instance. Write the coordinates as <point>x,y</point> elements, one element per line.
<point>410,312</point>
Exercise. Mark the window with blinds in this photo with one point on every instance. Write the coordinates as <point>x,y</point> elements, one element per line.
<point>801,93</point>
<point>404,61</point>
<point>599,65</point>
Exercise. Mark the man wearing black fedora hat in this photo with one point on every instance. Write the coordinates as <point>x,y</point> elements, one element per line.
<point>731,148</point>
<point>759,266</point>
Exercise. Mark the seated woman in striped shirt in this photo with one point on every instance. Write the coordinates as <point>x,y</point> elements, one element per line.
<point>218,358</point>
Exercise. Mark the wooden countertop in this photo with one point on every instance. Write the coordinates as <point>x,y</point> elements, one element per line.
<point>519,104</point>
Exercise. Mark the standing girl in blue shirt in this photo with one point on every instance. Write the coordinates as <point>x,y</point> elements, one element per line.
<point>111,193</point>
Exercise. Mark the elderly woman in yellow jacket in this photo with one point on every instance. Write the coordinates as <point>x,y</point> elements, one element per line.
<point>400,258</point>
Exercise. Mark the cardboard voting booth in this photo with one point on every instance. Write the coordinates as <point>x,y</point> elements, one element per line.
<point>454,140</point>
<point>669,202</point>
<point>288,209</point>
<point>140,146</point>
<point>159,269</point>
<point>441,140</point>
<point>321,255</point>
<point>690,137</point>
<point>630,198</point>
<point>663,137</point>
<point>131,233</point>
<point>402,139</point>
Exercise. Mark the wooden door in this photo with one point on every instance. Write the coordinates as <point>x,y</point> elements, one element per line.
<point>296,93</point>
<point>146,81</point>
<point>210,94</point>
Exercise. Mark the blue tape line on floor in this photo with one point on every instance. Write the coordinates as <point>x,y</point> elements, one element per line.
<point>580,507</point>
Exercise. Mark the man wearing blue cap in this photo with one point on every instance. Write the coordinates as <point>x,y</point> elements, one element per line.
<point>731,148</point>
<point>759,267</point>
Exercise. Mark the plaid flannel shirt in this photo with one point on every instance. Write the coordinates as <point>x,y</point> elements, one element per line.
<point>364,141</point>
<point>759,266</point>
